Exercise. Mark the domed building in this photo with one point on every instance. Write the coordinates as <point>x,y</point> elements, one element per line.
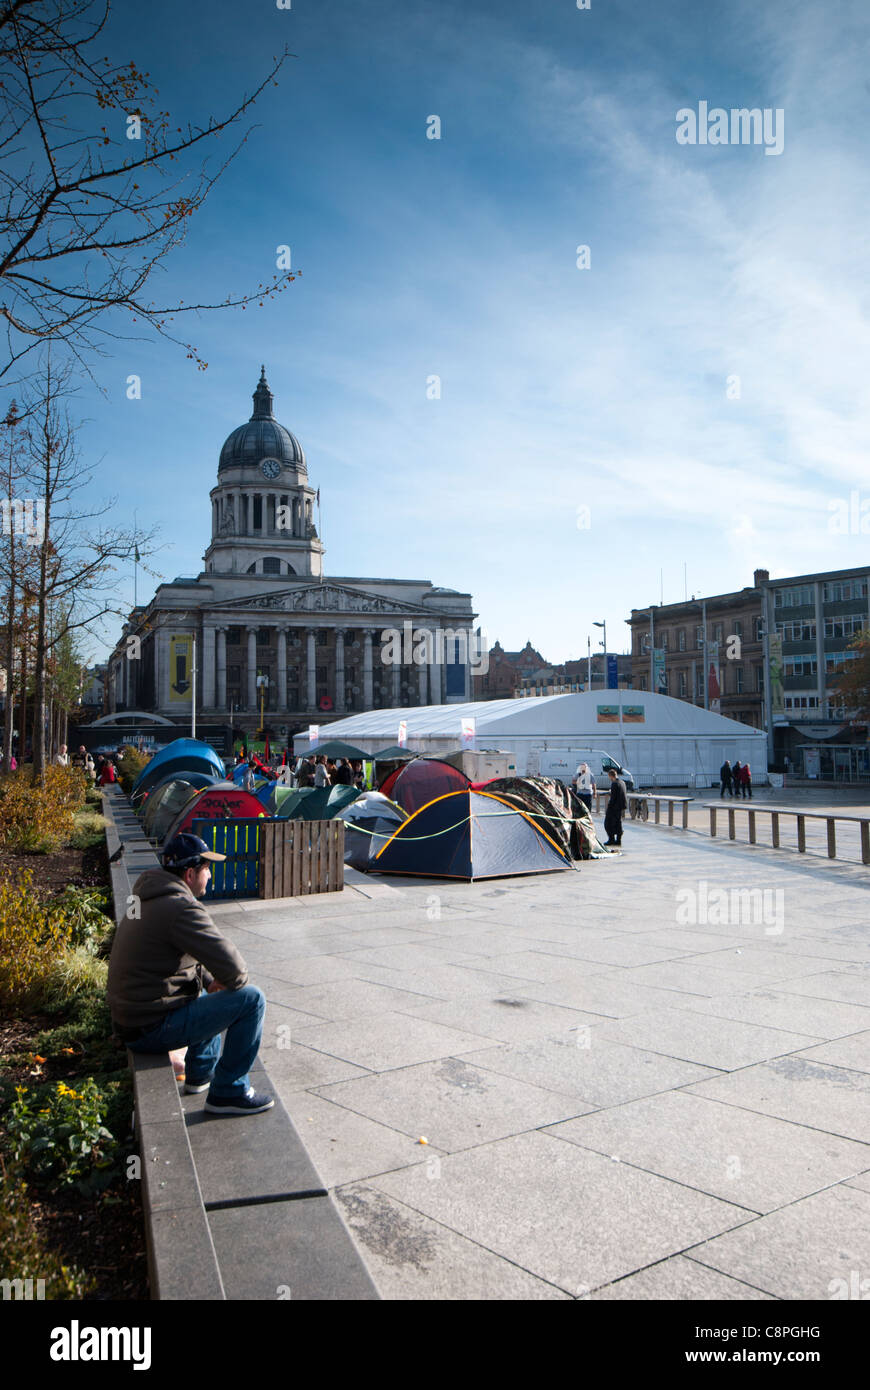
<point>262,627</point>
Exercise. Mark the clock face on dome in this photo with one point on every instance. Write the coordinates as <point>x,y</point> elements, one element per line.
<point>270,467</point>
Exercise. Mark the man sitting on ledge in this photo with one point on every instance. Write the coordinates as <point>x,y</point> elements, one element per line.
<point>175,981</point>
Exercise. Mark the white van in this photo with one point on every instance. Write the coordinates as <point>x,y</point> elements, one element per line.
<point>563,763</point>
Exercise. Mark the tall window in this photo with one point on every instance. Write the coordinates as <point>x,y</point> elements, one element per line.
<point>683,685</point>
<point>681,639</point>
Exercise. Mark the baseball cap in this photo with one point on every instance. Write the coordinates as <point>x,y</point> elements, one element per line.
<point>186,851</point>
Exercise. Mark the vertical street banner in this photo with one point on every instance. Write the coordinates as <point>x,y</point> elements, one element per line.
<point>180,663</point>
<point>777,694</point>
<point>403,733</point>
<point>468,728</point>
<point>714,688</point>
<point>314,734</point>
<point>612,677</point>
<point>659,671</point>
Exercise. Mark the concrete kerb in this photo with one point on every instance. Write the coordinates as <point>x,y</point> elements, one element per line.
<point>300,1246</point>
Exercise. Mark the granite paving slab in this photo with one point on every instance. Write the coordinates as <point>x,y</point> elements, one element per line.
<point>583,1066</point>
<point>612,1219</point>
<point>380,1042</point>
<point>346,1146</point>
<point>831,1099</point>
<point>862,1181</point>
<point>834,984</point>
<point>742,1157</point>
<point>547,967</point>
<point>453,1104</point>
<point>852,1052</point>
<point>342,1000</point>
<point>688,976</point>
<point>812,1249</point>
<point>508,1017</point>
<point>613,995</point>
<point>724,1044</point>
<point>289,1251</point>
<point>252,1157</point>
<point>678,1279</point>
<point>825,1018</point>
<point>412,1258</point>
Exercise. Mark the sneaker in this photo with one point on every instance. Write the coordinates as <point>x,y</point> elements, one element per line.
<point>195,1088</point>
<point>249,1104</point>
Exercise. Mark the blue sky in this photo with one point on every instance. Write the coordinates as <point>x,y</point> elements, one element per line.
<point>561,388</point>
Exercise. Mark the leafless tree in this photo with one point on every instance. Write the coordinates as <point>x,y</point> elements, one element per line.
<point>97,185</point>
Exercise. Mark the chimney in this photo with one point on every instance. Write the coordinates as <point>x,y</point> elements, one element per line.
<point>760,577</point>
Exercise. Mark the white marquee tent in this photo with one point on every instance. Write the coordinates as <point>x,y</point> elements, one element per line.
<point>662,741</point>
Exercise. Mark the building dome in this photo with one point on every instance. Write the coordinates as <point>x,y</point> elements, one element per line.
<point>262,437</point>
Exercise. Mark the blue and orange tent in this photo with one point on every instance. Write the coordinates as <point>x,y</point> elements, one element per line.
<point>469,835</point>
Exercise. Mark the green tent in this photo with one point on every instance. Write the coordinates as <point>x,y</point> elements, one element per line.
<point>334,748</point>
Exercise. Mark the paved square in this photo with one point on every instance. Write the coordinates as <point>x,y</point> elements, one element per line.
<point>619,1104</point>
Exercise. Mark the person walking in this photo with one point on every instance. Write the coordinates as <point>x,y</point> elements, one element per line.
<point>746,781</point>
<point>175,981</point>
<point>584,785</point>
<point>735,779</point>
<point>616,807</point>
<point>321,775</point>
<point>249,781</point>
<point>725,776</point>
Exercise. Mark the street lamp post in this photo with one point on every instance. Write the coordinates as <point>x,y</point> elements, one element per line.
<point>604,645</point>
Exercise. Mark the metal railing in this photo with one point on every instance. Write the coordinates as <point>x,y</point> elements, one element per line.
<point>640,802</point>
<point>801,817</point>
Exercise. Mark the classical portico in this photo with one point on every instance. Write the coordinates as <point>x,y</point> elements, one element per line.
<point>262,624</point>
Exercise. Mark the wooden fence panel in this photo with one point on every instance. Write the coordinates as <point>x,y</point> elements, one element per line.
<point>300,857</point>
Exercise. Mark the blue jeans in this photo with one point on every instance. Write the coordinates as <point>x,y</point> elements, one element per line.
<point>198,1026</point>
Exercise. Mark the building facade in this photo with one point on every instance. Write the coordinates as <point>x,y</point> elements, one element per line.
<point>707,651</point>
<point>812,619</point>
<point>261,638</point>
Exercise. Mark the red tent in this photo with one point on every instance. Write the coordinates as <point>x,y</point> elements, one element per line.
<point>420,781</point>
<point>224,801</point>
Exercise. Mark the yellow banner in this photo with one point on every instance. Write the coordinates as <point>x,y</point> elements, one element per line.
<point>180,668</point>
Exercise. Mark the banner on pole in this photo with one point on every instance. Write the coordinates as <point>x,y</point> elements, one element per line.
<point>403,733</point>
<point>314,734</point>
<point>468,729</point>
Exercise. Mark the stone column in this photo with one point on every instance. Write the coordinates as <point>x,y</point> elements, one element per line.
<point>368,692</point>
<point>208,633</point>
<point>423,684</point>
<point>282,668</point>
<point>339,668</point>
<point>396,684</point>
<point>311,670</point>
<point>435,675</point>
<point>252,668</point>
<point>166,666</point>
<point>222,669</point>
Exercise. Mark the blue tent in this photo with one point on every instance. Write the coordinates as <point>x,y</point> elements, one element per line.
<point>180,756</point>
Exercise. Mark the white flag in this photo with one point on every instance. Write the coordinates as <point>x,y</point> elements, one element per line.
<point>467,732</point>
<point>403,732</point>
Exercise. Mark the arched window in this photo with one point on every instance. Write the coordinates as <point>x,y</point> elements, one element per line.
<point>271,565</point>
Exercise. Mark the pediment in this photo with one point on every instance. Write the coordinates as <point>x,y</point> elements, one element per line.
<point>320,598</point>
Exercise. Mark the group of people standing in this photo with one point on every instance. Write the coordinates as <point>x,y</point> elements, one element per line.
<point>735,780</point>
<point>311,771</point>
<point>617,802</point>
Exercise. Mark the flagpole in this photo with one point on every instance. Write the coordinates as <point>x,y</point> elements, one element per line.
<point>135,565</point>
<point>320,533</point>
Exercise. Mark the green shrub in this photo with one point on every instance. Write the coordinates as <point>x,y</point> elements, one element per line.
<point>32,936</point>
<point>61,1137</point>
<point>85,915</point>
<point>89,829</point>
<point>130,766</point>
<point>37,820</point>
<point>73,971</point>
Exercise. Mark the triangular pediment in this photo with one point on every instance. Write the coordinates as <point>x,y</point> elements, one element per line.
<point>321,598</point>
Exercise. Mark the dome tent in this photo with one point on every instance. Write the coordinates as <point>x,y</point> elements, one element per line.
<point>418,782</point>
<point>223,801</point>
<point>163,804</point>
<point>469,835</point>
<point>368,824</point>
<point>180,756</point>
